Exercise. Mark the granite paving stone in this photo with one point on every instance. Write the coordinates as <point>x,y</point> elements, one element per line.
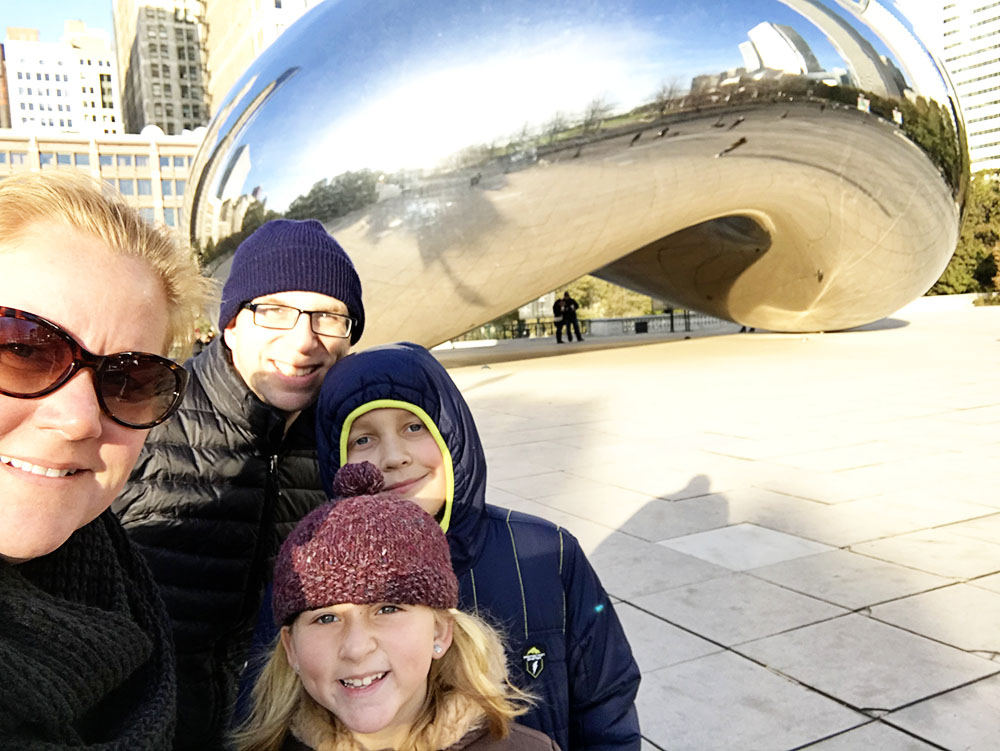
<point>847,579</point>
<point>966,718</point>
<point>744,546</point>
<point>962,616</point>
<point>867,664</point>
<point>736,608</point>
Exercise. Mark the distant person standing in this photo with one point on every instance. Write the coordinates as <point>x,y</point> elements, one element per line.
<point>569,308</point>
<point>557,318</point>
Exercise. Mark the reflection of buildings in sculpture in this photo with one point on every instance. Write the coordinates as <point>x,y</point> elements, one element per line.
<point>781,48</point>
<point>150,170</point>
<point>227,205</point>
<point>868,70</point>
<point>209,225</point>
<point>967,37</point>
<point>69,86</point>
<point>922,76</point>
<point>239,30</point>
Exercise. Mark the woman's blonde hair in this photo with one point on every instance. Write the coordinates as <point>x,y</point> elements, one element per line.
<point>77,201</point>
<point>474,666</point>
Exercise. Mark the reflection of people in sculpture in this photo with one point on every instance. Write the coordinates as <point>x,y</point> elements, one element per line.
<point>569,308</point>
<point>93,298</point>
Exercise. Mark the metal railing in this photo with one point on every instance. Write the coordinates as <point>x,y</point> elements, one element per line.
<point>669,322</point>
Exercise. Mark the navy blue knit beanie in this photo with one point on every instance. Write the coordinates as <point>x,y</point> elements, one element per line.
<point>285,255</point>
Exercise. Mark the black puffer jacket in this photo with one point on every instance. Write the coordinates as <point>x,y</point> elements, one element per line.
<point>215,491</point>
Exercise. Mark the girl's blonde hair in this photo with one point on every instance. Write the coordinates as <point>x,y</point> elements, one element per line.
<point>474,666</point>
<point>77,201</point>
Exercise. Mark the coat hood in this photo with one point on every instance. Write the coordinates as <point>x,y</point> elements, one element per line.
<point>407,376</point>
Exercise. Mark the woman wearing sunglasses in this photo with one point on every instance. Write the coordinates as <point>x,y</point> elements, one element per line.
<point>91,300</point>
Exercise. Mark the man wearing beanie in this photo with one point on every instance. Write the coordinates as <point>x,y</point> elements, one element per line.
<point>217,489</point>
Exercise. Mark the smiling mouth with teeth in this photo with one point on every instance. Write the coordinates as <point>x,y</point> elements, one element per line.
<point>35,469</point>
<point>291,370</point>
<point>362,682</point>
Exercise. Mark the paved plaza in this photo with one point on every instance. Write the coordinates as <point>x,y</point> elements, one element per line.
<point>802,531</point>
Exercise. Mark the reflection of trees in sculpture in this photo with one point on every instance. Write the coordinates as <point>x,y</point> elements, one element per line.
<point>255,216</point>
<point>330,199</point>
<point>326,200</point>
<point>594,115</point>
<point>974,266</point>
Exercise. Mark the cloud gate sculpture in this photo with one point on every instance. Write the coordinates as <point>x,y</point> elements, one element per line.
<point>794,165</point>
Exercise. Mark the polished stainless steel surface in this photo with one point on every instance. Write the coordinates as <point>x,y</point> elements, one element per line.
<point>794,165</point>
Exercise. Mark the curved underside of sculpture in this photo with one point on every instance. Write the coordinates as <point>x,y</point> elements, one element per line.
<point>793,165</point>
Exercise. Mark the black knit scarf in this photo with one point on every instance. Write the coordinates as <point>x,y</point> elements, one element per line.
<point>85,655</point>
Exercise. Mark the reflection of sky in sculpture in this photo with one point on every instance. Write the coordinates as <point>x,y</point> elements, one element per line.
<point>395,68</point>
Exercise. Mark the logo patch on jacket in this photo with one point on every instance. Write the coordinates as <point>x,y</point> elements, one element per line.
<point>534,661</point>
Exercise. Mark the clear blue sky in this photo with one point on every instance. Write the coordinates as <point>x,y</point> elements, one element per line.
<point>48,15</point>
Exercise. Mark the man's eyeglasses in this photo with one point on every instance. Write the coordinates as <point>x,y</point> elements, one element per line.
<point>272,316</point>
<point>135,389</point>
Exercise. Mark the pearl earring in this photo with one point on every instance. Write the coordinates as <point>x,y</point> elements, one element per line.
<point>437,649</point>
<point>295,667</point>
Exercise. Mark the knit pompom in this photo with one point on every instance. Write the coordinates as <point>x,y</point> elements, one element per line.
<point>357,479</point>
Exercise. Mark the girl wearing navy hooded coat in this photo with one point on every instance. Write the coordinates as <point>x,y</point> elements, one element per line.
<point>565,642</point>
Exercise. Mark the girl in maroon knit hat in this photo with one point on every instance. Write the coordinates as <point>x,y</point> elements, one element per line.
<point>372,652</point>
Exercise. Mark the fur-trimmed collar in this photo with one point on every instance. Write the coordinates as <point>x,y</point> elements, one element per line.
<point>313,725</point>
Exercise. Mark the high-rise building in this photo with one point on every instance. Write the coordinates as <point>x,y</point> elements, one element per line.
<point>161,61</point>
<point>69,86</point>
<point>239,30</point>
<point>965,34</point>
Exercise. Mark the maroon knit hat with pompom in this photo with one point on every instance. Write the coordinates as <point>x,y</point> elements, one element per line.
<point>364,549</point>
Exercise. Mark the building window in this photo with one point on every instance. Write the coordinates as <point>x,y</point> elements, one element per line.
<point>105,160</point>
<point>144,187</point>
<point>152,49</point>
<point>179,186</point>
<point>156,88</point>
<point>66,159</point>
<point>126,187</point>
<point>3,157</point>
<point>277,3</point>
<point>146,214</point>
<point>154,71</point>
<point>166,71</point>
<point>157,110</point>
<point>45,158</point>
<point>141,160</point>
<point>82,160</point>
<point>171,130</point>
<point>164,162</point>
<point>167,187</point>
<point>169,109</point>
<point>124,160</point>
<point>18,157</point>
<point>196,111</point>
<point>178,161</point>
<point>169,217</point>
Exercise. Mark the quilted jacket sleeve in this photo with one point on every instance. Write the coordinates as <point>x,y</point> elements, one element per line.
<point>604,677</point>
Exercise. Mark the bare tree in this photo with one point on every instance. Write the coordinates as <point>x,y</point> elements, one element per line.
<point>665,96</point>
<point>594,115</point>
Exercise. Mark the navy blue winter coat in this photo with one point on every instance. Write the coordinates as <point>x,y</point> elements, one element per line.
<point>565,642</point>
